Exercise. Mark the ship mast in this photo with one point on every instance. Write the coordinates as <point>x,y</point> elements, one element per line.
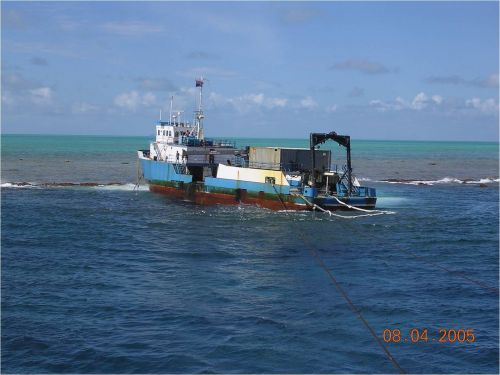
<point>199,83</point>
<point>171,104</point>
<point>199,113</point>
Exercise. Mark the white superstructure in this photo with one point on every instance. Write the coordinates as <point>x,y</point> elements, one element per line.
<point>175,135</point>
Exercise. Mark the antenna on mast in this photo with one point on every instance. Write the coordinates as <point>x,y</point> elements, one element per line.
<point>199,83</point>
<point>171,104</point>
<point>199,113</point>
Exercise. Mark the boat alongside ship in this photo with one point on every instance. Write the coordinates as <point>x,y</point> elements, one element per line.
<point>182,163</point>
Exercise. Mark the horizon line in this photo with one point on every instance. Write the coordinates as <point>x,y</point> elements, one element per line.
<point>247,137</point>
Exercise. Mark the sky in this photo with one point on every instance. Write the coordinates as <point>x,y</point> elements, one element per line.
<point>373,70</point>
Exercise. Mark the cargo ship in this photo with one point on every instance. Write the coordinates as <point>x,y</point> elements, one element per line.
<point>182,163</point>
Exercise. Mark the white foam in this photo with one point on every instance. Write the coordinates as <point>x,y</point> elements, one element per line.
<point>445,180</point>
<point>448,180</point>
<point>391,201</point>
<point>33,185</point>
<point>122,187</point>
<point>416,182</point>
<point>18,185</point>
<point>484,181</point>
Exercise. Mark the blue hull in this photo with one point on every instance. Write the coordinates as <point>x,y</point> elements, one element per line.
<point>166,178</point>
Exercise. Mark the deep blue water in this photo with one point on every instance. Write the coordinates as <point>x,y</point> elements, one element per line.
<point>109,280</point>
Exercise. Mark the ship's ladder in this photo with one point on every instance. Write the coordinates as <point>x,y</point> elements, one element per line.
<point>157,150</point>
<point>343,184</point>
<point>180,168</point>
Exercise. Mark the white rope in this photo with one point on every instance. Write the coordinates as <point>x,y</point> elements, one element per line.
<point>380,212</point>
<point>371,212</point>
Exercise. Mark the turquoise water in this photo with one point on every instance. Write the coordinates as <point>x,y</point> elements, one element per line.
<point>107,279</point>
<point>105,159</point>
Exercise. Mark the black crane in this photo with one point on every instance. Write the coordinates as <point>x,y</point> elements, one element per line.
<point>343,140</point>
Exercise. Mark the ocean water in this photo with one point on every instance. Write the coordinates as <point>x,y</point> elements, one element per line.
<point>105,278</point>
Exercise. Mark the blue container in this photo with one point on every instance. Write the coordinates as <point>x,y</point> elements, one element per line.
<point>310,192</point>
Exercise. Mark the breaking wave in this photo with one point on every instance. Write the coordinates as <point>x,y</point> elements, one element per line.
<point>446,180</point>
<point>94,185</point>
<point>130,186</point>
<point>24,185</point>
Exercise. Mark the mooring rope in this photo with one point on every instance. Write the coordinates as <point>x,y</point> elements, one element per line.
<point>382,212</point>
<point>379,212</point>
<point>353,307</point>
<point>339,288</point>
<point>279,197</point>
<point>342,292</point>
<point>371,212</point>
<point>452,272</point>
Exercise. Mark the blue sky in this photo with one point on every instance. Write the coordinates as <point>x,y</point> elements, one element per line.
<point>379,70</point>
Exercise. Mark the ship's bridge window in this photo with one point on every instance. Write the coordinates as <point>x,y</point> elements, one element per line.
<point>270,180</point>
<point>158,132</point>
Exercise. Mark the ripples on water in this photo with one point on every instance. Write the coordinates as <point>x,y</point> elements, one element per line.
<point>103,279</point>
<point>110,280</point>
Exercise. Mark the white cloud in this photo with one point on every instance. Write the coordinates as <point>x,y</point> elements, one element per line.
<point>41,95</point>
<point>254,98</point>
<point>84,108</point>
<point>247,102</point>
<point>216,99</point>
<point>332,108</point>
<point>380,105</point>
<point>133,100</point>
<point>276,102</point>
<point>438,99</point>
<point>488,106</point>
<point>148,99</point>
<point>420,102</point>
<point>308,103</point>
<point>21,92</point>
<point>400,103</point>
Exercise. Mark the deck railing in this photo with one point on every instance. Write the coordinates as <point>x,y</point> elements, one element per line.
<point>207,142</point>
